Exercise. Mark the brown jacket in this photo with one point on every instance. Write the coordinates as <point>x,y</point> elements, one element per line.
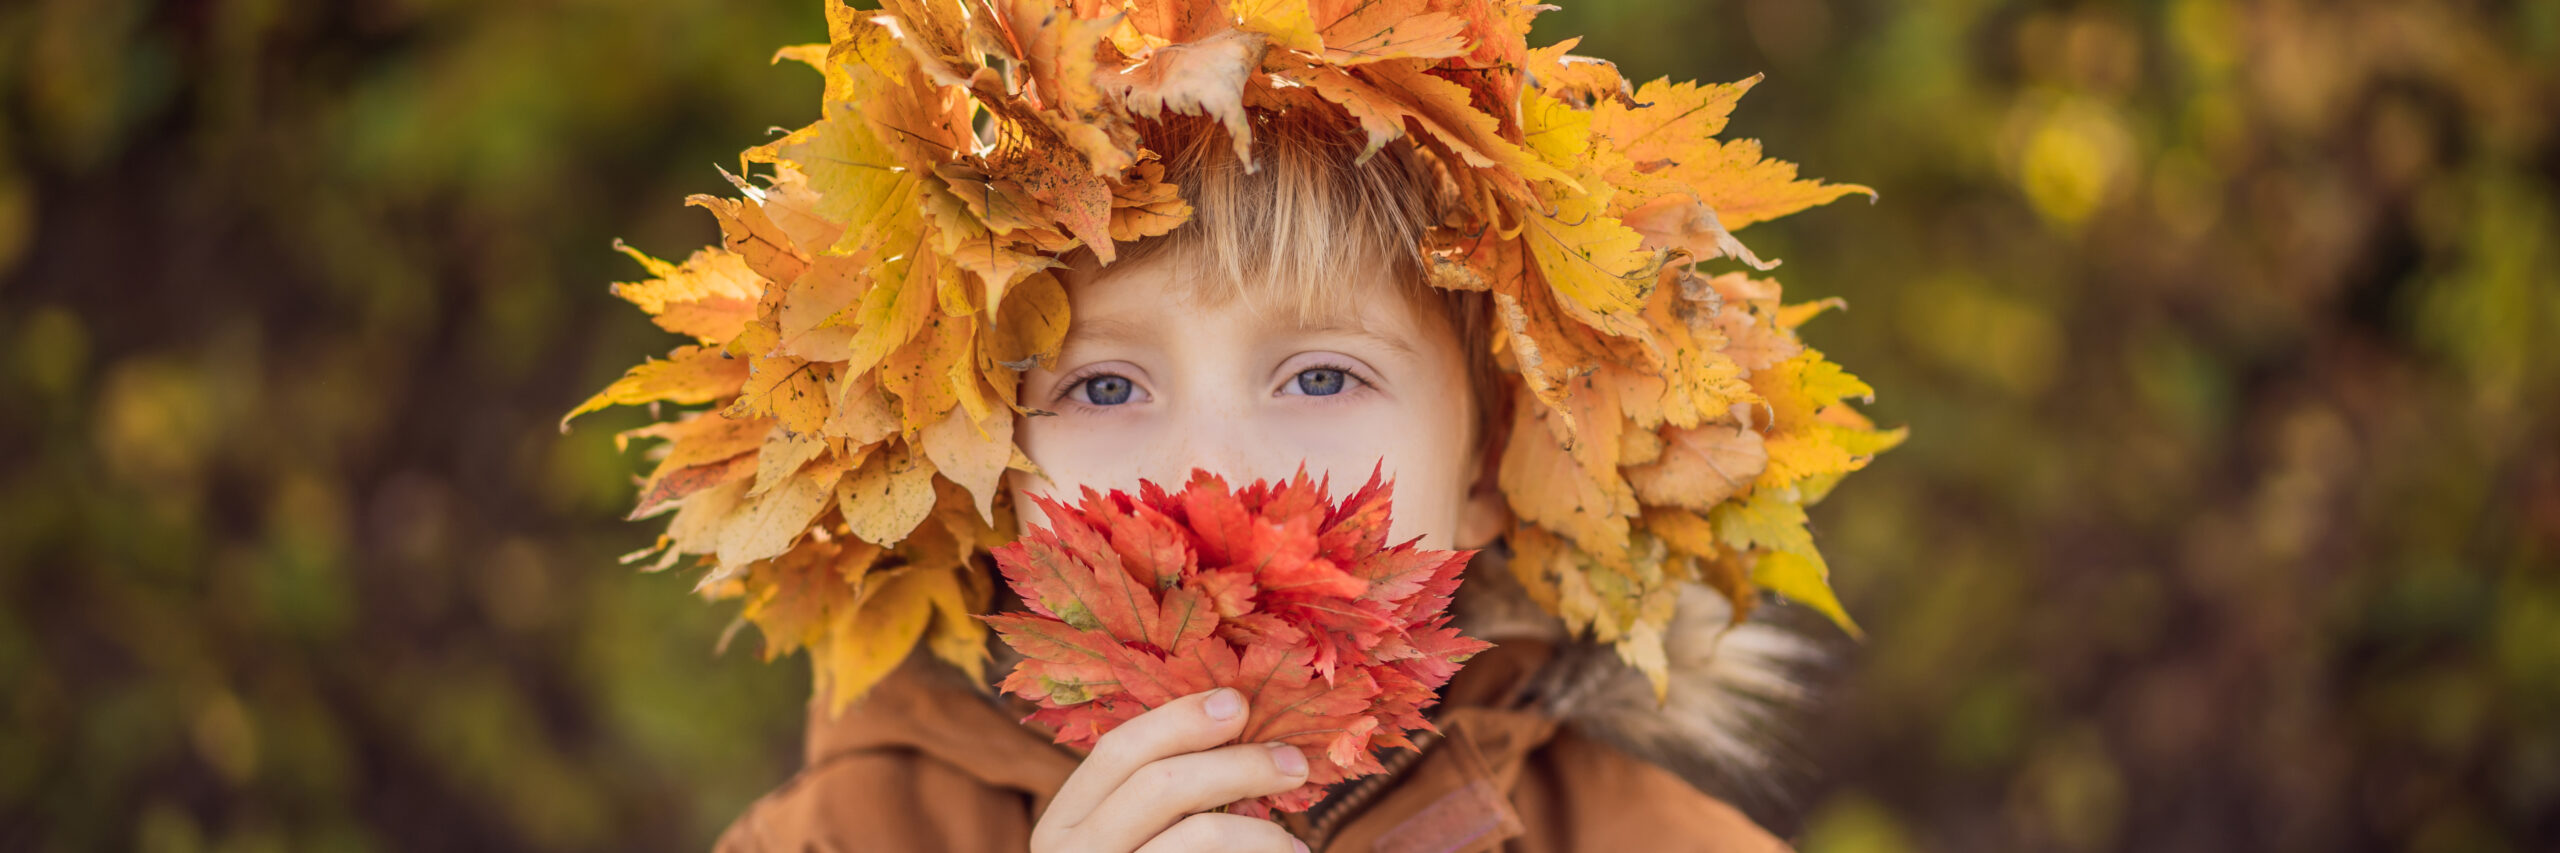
<point>933,764</point>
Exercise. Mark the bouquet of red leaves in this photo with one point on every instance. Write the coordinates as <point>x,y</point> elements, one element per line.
<point>1336,640</point>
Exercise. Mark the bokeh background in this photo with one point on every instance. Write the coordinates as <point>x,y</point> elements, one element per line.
<point>2225,328</point>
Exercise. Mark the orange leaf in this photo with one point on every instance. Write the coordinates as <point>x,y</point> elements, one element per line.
<point>1202,77</point>
<point>1700,379</point>
<point>1555,71</point>
<point>782,455</point>
<point>1177,20</point>
<point>1681,223</point>
<point>1060,180</point>
<point>1668,122</point>
<point>745,230</point>
<point>1744,188</point>
<point>1351,32</point>
<point>831,285</point>
<point>1747,319</point>
<point>1145,205</point>
<point>790,597</point>
<point>1701,467</point>
<point>704,450</point>
<point>1548,487</point>
<point>963,239</point>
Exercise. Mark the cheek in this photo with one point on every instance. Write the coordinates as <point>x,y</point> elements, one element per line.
<point>1422,448</point>
<point>1432,480</point>
<point>1072,455</point>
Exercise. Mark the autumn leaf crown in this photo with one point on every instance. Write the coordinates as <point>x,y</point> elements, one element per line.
<point>887,276</point>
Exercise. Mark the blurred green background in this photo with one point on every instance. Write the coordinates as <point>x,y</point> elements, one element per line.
<point>2230,518</point>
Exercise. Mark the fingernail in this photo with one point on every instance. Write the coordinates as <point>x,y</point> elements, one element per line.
<point>1290,761</point>
<point>1301,845</point>
<point>1224,704</point>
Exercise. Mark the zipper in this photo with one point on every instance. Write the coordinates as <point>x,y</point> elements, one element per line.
<point>1327,817</point>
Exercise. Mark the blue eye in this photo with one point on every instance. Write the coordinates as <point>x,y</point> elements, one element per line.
<point>1108,389</point>
<point>1322,381</point>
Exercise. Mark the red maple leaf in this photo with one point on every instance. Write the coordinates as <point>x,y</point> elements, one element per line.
<point>1337,640</point>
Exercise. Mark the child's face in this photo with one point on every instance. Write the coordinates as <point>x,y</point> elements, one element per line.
<point>1154,380</point>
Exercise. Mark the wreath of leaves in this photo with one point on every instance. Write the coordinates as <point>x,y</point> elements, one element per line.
<point>881,284</point>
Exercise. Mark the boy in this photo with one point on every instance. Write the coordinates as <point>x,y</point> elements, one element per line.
<point>1497,311</point>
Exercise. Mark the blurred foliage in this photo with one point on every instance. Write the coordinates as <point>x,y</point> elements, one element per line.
<point>2230,519</point>
<point>292,554</point>
<point>2231,514</point>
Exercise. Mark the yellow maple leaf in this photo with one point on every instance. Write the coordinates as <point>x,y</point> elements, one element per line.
<point>689,375</point>
<point>859,415</point>
<point>888,496</point>
<point>711,297</point>
<point>956,635</point>
<point>924,374</point>
<point>790,598</point>
<point>782,455</point>
<point>1774,522</point>
<point>1601,269</point>
<point>764,525</point>
<point>1668,120</point>
<point>1692,539</point>
<point>864,641</point>
<point>972,451</point>
<point>791,390</point>
<point>1805,384</point>
<point>1745,188</point>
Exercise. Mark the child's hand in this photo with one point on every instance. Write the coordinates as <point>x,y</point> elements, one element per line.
<point>1148,785</point>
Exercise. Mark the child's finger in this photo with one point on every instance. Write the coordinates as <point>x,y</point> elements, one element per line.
<point>1224,833</point>
<point>1189,724</point>
<point>1164,792</point>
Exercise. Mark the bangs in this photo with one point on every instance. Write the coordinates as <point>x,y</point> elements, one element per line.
<point>1303,229</point>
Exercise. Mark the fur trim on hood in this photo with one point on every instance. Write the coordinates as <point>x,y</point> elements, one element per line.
<point>1721,725</point>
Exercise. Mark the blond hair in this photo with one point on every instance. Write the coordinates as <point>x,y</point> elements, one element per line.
<point>1297,224</point>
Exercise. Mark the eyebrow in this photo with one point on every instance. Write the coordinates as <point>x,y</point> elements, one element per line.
<point>1115,330</point>
<point>1360,332</point>
<point>1106,330</point>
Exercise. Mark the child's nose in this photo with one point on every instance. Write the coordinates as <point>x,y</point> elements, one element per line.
<point>1227,446</point>
<point>1217,453</point>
